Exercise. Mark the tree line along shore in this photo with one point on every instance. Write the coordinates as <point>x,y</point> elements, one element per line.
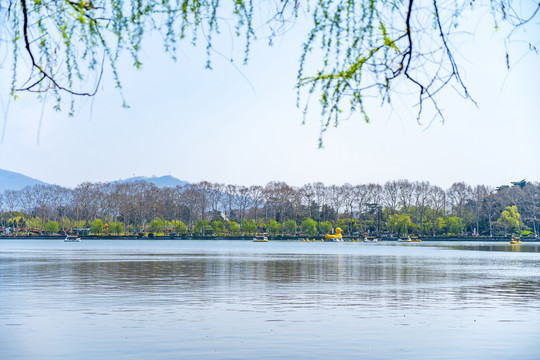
<point>213,210</point>
<point>61,235</point>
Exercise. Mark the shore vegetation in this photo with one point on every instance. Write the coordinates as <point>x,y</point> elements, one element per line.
<point>396,208</point>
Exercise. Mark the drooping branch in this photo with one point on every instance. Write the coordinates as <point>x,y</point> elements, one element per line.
<point>380,51</point>
<point>71,35</point>
<point>450,56</point>
<point>45,75</point>
<point>356,50</point>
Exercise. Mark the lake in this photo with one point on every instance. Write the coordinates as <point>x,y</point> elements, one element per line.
<point>144,299</point>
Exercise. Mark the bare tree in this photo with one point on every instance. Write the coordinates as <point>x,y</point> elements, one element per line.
<point>11,199</point>
<point>321,197</point>
<point>230,199</point>
<point>459,194</point>
<point>375,196</point>
<point>437,201</point>
<point>361,197</point>
<point>405,193</point>
<point>244,201</point>
<point>479,192</point>
<point>531,206</point>
<point>278,200</point>
<point>489,205</point>
<point>335,197</point>
<point>421,193</point>
<point>42,194</point>
<point>307,194</point>
<point>195,203</point>
<point>27,203</point>
<point>215,194</point>
<point>391,195</point>
<point>348,197</point>
<point>256,192</point>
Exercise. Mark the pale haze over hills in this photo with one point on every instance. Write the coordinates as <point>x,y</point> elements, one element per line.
<point>159,181</point>
<point>10,180</point>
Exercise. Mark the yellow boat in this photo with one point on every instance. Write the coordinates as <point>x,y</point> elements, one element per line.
<point>260,238</point>
<point>515,241</point>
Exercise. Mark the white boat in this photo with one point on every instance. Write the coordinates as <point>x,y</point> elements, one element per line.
<point>72,239</point>
<point>260,239</point>
<point>408,239</point>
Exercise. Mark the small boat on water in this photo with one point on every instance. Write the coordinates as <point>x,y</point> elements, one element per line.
<point>515,240</point>
<point>370,239</point>
<point>260,238</point>
<point>72,239</point>
<point>408,239</point>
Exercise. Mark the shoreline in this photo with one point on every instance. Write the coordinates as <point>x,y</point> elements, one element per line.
<point>250,238</point>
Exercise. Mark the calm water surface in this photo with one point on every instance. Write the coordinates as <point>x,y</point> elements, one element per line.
<point>276,300</point>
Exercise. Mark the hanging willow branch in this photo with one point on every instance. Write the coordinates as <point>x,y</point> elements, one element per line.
<point>68,43</point>
<point>382,48</point>
<point>356,49</point>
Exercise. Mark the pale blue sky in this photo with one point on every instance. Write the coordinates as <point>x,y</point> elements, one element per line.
<point>214,125</point>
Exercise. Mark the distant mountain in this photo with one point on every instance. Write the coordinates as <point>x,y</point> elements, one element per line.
<point>162,181</point>
<point>10,180</point>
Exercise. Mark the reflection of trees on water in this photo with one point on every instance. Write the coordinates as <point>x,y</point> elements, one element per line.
<point>274,280</point>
